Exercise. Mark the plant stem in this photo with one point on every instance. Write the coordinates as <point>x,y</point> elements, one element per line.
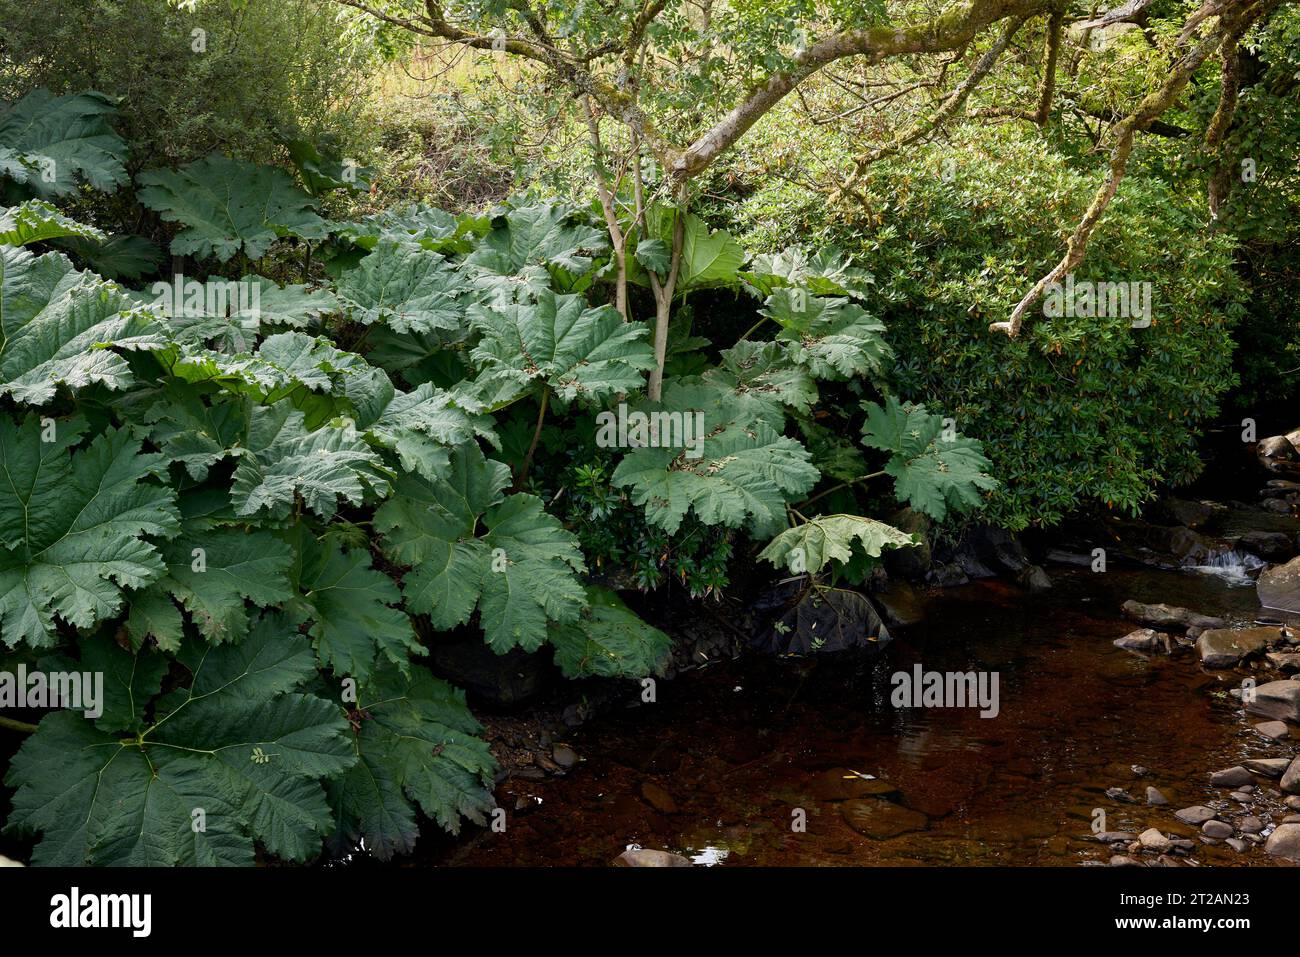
<point>754,328</point>
<point>537,434</point>
<point>15,725</point>
<point>861,478</point>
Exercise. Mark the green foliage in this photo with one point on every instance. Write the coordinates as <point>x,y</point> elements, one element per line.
<point>50,144</point>
<point>237,743</point>
<point>227,206</point>
<point>608,641</point>
<point>811,546</point>
<point>933,471</point>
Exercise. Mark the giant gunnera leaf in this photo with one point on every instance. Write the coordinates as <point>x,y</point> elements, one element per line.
<point>832,337</point>
<point>283,460</point>
<point>72,526</point>
<point>226,205</point>
<point>811,546</point>
<point>743,476</point>
<point>58,325</point>
<point>532,247</point>
<point>406,287</point>
<point>609,641</point>
<point>934,468</point>
<point>52,144</point>
<point>36,221</point>
<point>232,757</point>
<point>353,610</point>
<point>558,340</point>
<point>416,747</point>
<point>469,545</point>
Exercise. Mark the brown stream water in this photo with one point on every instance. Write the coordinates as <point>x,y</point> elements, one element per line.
<point>719,767</point>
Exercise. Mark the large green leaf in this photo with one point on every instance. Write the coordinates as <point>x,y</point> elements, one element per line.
<point>833,338</point>
<point>234,757</point>
<point>36,221</point>
<point>350,604</point>
<point>213,571</point>
<point>227,205</point>
<point>416,746</point>
<point>609,641</point>
<point>57,324</point>
<point>532,246</point>
<point>405,287</point>
<point>827,272</point>
<point>424,425</point>
<point>468,545</point>
<point>284,460</point>
<point>424,226</point>
<point>809,547</point>
<point>744,476</point>
<point>934,468</point>
<point>72,526</point>
<point>51,144</point>
<point>708,257</point>
<point>558,340</point>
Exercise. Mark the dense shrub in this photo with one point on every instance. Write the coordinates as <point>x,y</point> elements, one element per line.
<point>1077,410</point>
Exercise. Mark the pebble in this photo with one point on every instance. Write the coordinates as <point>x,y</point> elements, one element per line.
<point>1123,860</point>
<point>564,756</point>
<point>1277,730</point>
<point>1236,844</point>
<point>1268,767</point>
<point>1155,797</point>
<point>1196,814</point>
<point>1119,794</point>
<point>1293,802</point>
<point>1152,839</point>
<point>1243,796</point>
<point>1231,777</point>
<point>1251,825</point>
<point>658,798</point>
<point>1217,829</point>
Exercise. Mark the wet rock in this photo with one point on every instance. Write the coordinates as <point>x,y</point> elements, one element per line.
<point>1189,547</point>
<point>912,562</point>
<point>1277,699</point>
<point>1123,860</point>
<point>900,604</point>
<point>1270,546</point>
<point>1285,842</point>
<point>1274,451</point>
<point>658,798</point>
<point>648,857</point>
<point>1293,802</point>
<point>946,576</point>
<point>10,862</point>
<point>1241,797</point>
<point>564,756</point>
<point>1291,819</point>
<point>1155,797</point>
<point>1153,840</point>
<point>881,819</point>
<point>1143,640</point>
<point>1250,825</point>
<point>1236,844</point>
<point>1231,777</point>
<point>1291,779</point>
<point>1197,814</point>
<point>1287,661</point>
<point>1226,647</point>
<point>1279,587</point>
<point>1191,514</point>
<point>998,548</point>
<point>1277,730</point>
<point>843,784</point>
<point>1114,837</point>
<point>1119,794</point>
<point>1168,617</point>
<point>1268,767</point>
<point>1035,578</point>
